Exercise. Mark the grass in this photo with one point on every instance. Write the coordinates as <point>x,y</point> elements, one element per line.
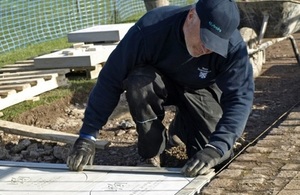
<point>32,51</point>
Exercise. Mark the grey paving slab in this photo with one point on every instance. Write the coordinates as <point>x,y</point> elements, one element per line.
<point>196,184</point>
<point>100,33</point>
<point>46,178</point>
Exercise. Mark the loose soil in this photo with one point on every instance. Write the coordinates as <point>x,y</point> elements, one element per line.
<point>277,90</point>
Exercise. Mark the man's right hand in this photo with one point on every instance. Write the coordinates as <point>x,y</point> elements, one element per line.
<point>83,153</point>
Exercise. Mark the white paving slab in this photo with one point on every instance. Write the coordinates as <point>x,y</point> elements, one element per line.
<point>100,33</point>
<point>87,56</point>
<point>45,178</point>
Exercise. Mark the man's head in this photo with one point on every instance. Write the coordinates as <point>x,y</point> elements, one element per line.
<point>217,21</point>
<point>219,18</point>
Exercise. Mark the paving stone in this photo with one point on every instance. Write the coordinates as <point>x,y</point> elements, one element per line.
<point>273,137</point>
<point>248,165</point>
<point>230,173</point>
<point>293,115</point>
<point>100,33</point>
<point>277,131</point>
<point>295,167</point>
<point>210,191</point>
<point>291,135</point>
<point>253,184</point>
<point>290,122</point>
<point>289,192</point>
<point>262,168</point>
<point>251,175</point>
<point>297,129</point>
<point>222,183</point>
<point>196,184</point>
<point>279,155</point>
<point>297,176</point>
<point>271,143</point>
<point>251,157</point>
<point>259,149</point>
<point>287,148</point>
<point>293,185</point>
<point>295,158</point>
<point>270,166</point>
<point>271,171</point>
<point>280,182</point>
<point>74,58</point>
<point>244,193</point>
<point>218,192</point>
<point>287,174</point>
<point>295,142</point>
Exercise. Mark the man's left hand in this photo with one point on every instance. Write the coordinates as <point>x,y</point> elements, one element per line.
<point>201,162</point>
<point>83,153</point>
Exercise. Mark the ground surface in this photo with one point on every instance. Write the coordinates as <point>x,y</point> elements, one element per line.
<point>277,90</point>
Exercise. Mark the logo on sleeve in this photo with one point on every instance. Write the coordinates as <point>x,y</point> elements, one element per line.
<point>203,72</point>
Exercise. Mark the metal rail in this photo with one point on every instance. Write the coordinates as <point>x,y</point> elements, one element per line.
<point>271,42</point>
<point>265,45</point>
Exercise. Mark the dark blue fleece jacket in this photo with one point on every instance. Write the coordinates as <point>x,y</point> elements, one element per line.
<point>157,40</point>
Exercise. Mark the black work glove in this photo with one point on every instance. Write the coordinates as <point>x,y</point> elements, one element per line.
<point>201,162</point>
<point>83,153</point>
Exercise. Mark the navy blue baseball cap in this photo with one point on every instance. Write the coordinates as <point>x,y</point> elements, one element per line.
<point>218,20</point>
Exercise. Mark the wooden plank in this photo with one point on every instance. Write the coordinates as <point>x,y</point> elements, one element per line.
<point>45,134</point>
<point>32,82</point>
<point>17,87</point>
<point>92,74</point>
<point>45,71</point>
<point>43,76</point>
<point>40,87</point>
<point>7,92</point>
<point>16,69</point>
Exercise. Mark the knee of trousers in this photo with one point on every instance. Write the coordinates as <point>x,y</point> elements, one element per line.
<point>144,82</point>
<point>138,85</point>
<point>139,78</point>
<point>143,92</point>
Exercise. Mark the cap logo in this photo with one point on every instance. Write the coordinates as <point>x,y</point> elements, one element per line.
<point>214,26</point>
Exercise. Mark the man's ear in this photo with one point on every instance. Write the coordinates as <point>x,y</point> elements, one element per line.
<point>192,13</point>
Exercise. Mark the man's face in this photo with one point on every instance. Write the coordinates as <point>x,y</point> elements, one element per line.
<point>191,30</point>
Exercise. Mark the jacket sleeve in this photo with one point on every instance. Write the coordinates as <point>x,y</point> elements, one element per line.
<point>105,95</point>
<point>237,85</point>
